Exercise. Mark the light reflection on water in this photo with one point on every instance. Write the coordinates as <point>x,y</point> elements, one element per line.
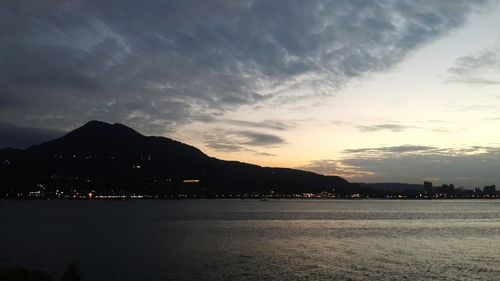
<point>254,240</point>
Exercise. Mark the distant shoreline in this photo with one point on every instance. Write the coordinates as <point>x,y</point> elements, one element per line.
<point>246,199</point>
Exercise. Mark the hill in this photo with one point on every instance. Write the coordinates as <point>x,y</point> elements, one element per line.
<point>113,158</point>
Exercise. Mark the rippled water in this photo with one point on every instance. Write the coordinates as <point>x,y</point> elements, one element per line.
<point>255,240</point>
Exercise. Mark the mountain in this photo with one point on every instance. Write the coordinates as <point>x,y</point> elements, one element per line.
<point>99,138</point>
<point>106,158</point>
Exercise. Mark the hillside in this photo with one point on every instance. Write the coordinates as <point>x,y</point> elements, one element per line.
<point>114,158</point>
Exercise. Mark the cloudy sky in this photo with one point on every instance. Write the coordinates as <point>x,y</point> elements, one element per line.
<point>375,91</point>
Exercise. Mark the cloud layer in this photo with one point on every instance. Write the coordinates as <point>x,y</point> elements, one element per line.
<point>22,137</point>
<point>385,127</point>
<point>228,140</point>
<point>157,64</point>
<point>482,68</point>
<point>468,166</point>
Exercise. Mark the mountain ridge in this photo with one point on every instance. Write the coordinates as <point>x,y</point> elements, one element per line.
<point>100,156</point>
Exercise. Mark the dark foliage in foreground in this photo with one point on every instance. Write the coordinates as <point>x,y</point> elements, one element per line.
<point>18,273</point>
<point>22,274</point>
<point>72,273</point>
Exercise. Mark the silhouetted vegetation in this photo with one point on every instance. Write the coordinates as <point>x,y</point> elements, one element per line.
<point>18,273</point>
<point>22,274</point>
<point>72,273</point>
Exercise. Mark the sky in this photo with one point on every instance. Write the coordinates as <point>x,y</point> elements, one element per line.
<point>373,91</point>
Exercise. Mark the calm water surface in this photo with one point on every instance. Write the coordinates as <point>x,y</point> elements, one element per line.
<point>255,240</point>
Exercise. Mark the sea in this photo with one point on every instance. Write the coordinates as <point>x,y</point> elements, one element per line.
<point>255,240</point>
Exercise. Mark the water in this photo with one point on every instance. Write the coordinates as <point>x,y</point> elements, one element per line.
<point>255,240</point>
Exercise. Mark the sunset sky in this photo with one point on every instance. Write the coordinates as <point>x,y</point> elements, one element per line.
<point>373,91</point>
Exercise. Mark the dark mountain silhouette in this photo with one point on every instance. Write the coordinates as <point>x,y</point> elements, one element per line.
<point>99,138</point>
<point>114,158</point>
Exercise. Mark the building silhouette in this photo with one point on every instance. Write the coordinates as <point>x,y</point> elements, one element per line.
<point>490,190</point>
<point>428,189</point>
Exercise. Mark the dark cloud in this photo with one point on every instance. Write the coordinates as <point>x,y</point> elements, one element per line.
<point>385,127</point>
<point>228,147</point>
<point>266,124</point>
<point>459,168</point>
<point>155,64</point>
<point>482,68</point>
<point>467,166</point>
<point>260,139</point>
<point>390,149</point>
<point>22,137</point>
<point>337,168</point>
<point>396,128</point>
<point>237,141</point>
<point>232,140</point>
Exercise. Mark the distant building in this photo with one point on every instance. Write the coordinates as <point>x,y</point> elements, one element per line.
<point>428,190</point>
<point>490,190</point>
<point>190,181</point>
<point>190,187</point>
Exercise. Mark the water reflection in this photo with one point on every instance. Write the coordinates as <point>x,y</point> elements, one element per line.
<point>255,240</point>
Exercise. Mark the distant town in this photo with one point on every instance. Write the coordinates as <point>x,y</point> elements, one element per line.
<point>191,189</point>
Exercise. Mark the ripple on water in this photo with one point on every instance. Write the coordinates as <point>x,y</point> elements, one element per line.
<point>253,240</point>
